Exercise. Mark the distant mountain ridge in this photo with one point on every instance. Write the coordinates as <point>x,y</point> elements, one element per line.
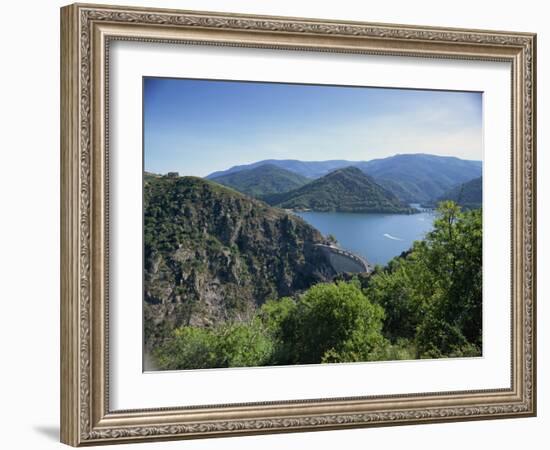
<point>308,169</point>
<point>469,195</point>
<point>417,178</point>
<point>413,178</point>
<point>262,180</point>
<point>343,190</point>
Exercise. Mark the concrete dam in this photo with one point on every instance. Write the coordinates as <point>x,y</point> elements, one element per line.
<point>344,260</point>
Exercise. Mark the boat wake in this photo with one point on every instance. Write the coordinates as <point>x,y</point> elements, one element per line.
<point>393,238</point>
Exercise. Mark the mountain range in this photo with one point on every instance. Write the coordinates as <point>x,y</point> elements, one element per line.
<point>308,169</point>
<point>412,178</point>
<point>343,190</point>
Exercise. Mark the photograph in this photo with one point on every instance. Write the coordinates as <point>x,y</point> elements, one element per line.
<point>274,222</point>
<point>291,224</point>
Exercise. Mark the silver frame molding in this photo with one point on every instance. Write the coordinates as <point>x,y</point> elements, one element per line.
<point>86,32</point>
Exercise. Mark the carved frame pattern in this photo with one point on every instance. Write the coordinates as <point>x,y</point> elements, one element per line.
<point>86,418</point>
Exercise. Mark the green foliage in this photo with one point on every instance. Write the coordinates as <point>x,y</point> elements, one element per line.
<point>437,338</point>
<point>274,313</point>
<point>229,345</point>
<point>244,344</point>
<point>345,190</point>
<point>433,296</point>
<point>454,255</point>
<point>189,348</point>
<point>334,323</point>
<point>277,316</point>
<point>397,290</point>
<point>328,323</point>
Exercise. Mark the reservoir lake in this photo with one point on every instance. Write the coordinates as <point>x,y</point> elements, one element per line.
<point>376,237</point>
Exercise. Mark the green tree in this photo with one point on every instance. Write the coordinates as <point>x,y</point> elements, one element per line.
<point>397,289</point>
<point>334,322</point>
<point>188,348</point>
<point>453,255</point>
<point>276,316</point>
<point>433,295</point>
<point>228,345</point>
<point>244,344</point>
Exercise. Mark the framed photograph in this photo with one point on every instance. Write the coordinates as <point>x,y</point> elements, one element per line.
<point>275,224</point>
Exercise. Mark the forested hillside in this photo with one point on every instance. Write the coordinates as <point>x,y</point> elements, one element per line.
<point>262,180</point>
<point>344,190</point>
<point>413,178</point>
<point>213,255</point>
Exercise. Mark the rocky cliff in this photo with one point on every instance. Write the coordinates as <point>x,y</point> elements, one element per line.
<point>212,254</point>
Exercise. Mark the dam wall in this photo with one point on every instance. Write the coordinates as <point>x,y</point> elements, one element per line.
<point>344,261</point>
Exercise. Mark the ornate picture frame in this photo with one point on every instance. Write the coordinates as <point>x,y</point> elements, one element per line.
<point>87,31</point>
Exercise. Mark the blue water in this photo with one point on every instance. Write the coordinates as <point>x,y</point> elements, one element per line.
<point>377,237</point>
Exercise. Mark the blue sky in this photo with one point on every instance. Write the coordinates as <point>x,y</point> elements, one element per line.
<point>196,127</point>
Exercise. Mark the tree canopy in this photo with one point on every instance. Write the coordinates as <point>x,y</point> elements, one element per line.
<point>433,295</point>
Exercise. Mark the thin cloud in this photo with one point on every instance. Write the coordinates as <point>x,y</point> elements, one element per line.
<point>243,123</point>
